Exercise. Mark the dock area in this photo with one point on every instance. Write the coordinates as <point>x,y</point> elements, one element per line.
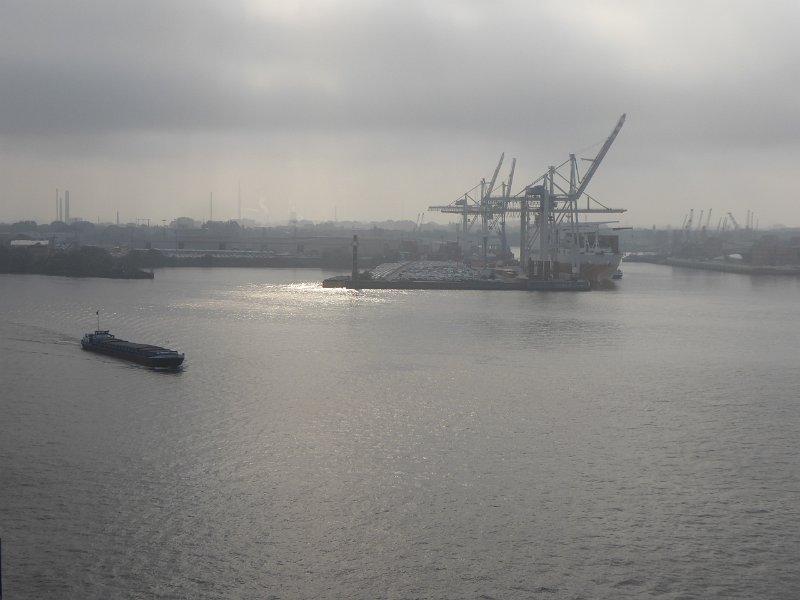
<point>446,275</point>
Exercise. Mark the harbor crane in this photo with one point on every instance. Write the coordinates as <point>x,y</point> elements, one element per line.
<point>546,206</point>
<point>687,223</point>
<point>597,160</point>
<point>733,221</point>
<point>478,203</point>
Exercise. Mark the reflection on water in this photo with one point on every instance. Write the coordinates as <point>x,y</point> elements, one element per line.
<point>336,443</point>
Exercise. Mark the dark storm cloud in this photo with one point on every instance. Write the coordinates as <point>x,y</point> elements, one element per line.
<point>543,78</point>
<point>103,66</point>
<point>188,65</point>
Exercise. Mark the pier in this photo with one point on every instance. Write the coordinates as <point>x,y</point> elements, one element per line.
<point>445,275</point>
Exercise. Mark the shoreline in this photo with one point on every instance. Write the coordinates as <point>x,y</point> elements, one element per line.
<point>719,266</point>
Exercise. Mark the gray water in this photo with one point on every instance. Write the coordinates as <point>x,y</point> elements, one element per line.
<point>637,442</point>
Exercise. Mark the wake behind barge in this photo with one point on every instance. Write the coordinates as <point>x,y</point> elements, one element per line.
<point>144,354</point>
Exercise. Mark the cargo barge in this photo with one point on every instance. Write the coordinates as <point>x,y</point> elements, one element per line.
<point>103,342</point>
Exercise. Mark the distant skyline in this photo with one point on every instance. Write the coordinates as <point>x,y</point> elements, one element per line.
<point>376,109</point>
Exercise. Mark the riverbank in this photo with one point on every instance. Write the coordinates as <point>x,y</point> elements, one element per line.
<point>725,266</point>
<point>86,261</point>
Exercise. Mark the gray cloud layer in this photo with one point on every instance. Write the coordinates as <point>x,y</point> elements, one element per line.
<point>334,96</point>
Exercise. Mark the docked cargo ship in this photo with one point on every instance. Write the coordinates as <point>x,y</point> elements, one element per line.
<point>144,354</point>
<point>587,250</point>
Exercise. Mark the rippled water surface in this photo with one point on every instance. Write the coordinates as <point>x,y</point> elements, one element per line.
<point>637,442</point>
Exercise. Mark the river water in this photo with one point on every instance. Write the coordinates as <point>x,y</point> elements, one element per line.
<point>630,443</point>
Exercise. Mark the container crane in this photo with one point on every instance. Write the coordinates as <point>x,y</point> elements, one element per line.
<point>598,159</point>
<point>687,224</point>
<point>488,190</point>
<point>546,203</point>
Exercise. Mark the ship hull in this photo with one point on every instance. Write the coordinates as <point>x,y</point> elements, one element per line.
<point>168,362</point>
<point>600,271</point>
<point>594,268</point>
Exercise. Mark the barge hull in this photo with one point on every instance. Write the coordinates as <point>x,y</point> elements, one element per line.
<point>168,362</point>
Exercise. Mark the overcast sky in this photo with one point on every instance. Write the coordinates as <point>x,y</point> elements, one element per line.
<point>377,109</point>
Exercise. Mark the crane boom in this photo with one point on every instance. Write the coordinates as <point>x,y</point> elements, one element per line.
<point>494,177</point>
<point>511,175</point>
<point>598,159</point>
<point>688,223</point>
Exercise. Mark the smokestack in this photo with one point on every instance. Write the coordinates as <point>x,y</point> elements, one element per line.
<point>354,276</point>
<point>211,206</point>
<point>66,206</point>
<point>57,204</point>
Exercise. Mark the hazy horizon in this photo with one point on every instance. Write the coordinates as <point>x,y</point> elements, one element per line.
<point>375,110</point>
